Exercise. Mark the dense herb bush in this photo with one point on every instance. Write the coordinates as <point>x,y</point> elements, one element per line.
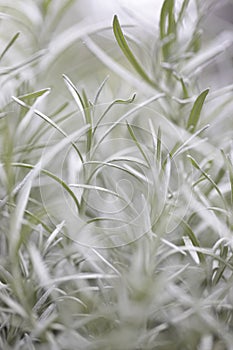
<point>116,179</point>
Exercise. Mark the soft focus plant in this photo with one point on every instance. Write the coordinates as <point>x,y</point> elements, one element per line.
<point>116,180</point>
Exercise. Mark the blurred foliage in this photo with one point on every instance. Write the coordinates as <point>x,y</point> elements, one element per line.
<point>116,176</point>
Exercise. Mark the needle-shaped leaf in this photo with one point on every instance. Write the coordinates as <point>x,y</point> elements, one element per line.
<point>49,121</point>
<point>111,165</point>
<point>183,146</point>
<point>115,102</point>
<point>197,166</point>
<point>88,117</point>
<point>158,152</point>
<point>52,176</point>
<point>34,94</point>
<point>11,42</point>
<point>17,219</point>
<point>189,245</point>
<point>126,115</point>
<point>183,10</point>
<point>184,88</point>
<point>132,134</point>
<point>166,17</point>
<point>100,90</point>
<point>32,216</point>
<point>167,26</point>
<point>221,268</point>
<point>97,188</point>
<point>196,110</point>
<point>190,234</point>
<point>77,97</point>
<point>53,235</point>
<point>127,51</point>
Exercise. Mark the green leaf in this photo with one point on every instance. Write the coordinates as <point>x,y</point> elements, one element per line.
<point>126,115</point>
<point>177,149</point>
<point>159,152</point>
<point>59,109</point>
<point>189,232</point>
<point>46,4</point>
<point>50,122</point>
<point>100,90</point>
<point>111,165</point>
<point>128,53</point>
<point>132,134</point>
<point>195,43</point>
<point>167,26</point>
<point>183,10</point>
<point>11,42</point>
<point>196,110</point>
<point>32,216</point>
<point>97,188</point>
<point>88,118</point>
<point>221,268</point>
<point>184,88</point>
<point>52,176</point>
<point>115,102</point>
<point>34,95</point>
<point>207,177</point>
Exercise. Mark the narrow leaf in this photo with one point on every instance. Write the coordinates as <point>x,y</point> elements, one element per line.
<point>88,118</point>
<point>197,166</point>
<point>82,276</point>
<point>188,243</point>
<point>158,153</point>
<point>17,218</point>
<point>35,94</point>
<point>179,149</point>
<point>184,88</point>
<point>34,217</point>
<point>126,115</point>
<point>53,235</point>
<point>167,26</point>
<point>222,267</point>
<point>127,51</point>
<point>11,42</point>
<point>189,232</point>
<point>196,110</point>
<point>183,10</point>
<point>77,97</point>
<point>132,134</point>
<point>115,102</point>
<point>97,188</point>
<point>111,165</point>
<point>49,121</point>
<point>54,177</point>
<point>100,90</point>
